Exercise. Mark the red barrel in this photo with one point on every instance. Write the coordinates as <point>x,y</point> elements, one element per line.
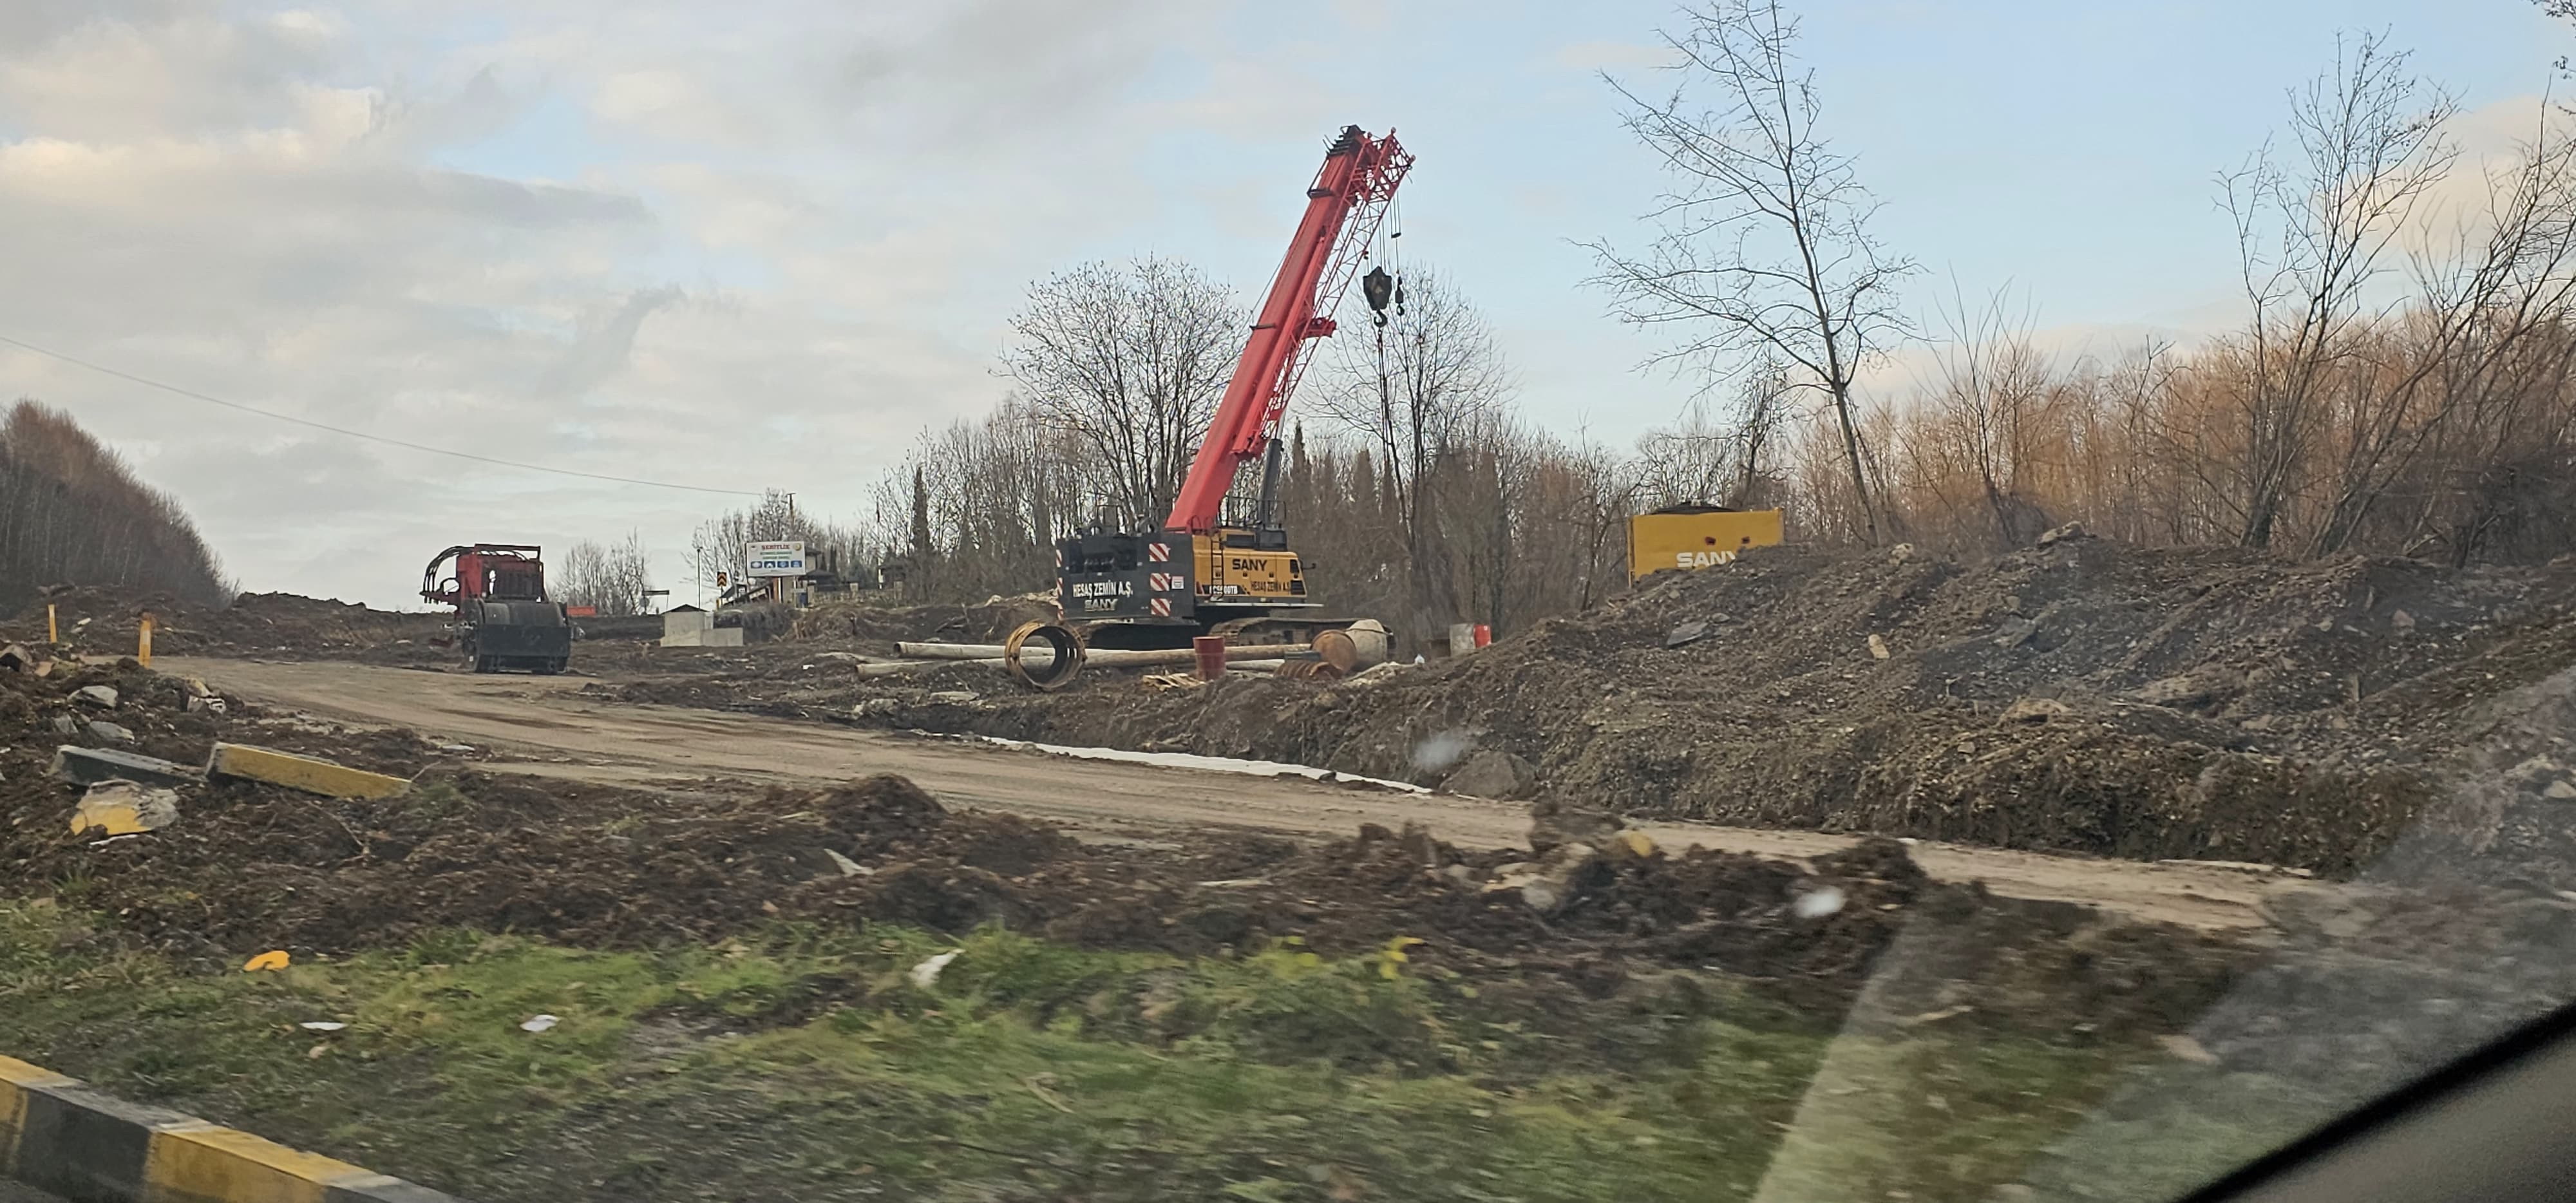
<point>1484,635</point>
<point>1211,653</point>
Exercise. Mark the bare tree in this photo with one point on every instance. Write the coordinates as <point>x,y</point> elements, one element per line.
<point>1763,246</point>
<point>610,578</point>
<point>1419,393</point>
<point>1129,361</point>
<point>1701,459</point>
<point>2564,10</point>
<point>629,576</point>
<point>1994,389</point>
<point>2503,287</point>
<point>2311,228</point>
<point>580,573</point>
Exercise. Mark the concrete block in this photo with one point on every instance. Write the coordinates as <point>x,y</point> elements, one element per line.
<point>89,766</point>
<point>124,808</point>
<point>687,622</point>
<point>300,772</point>
<point>710,637</point>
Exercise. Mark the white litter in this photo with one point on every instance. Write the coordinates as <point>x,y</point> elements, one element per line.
<point>1816,904</point>
<point>321,1025</point>
<point>540,1023</point>
<point>926,974</point>
<point>848,867</point>
<point>1210,764</point>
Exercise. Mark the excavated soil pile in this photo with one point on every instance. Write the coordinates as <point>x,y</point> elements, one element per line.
<point>248,867</point>
<point>95,620</point>
<point>264,625</point>
<point>175,719</point>
<point>285,625</point>
<point>2467,927</point>
<point>2084,697</point>
<point>877,628</point>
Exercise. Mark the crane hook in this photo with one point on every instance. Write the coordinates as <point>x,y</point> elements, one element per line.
<point>1380,289</point>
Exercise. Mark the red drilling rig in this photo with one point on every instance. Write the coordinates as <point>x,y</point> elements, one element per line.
<point>1221,562</point>
<point>503,620</point>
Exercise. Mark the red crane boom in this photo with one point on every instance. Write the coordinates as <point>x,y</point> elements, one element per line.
<point>1343,209</point>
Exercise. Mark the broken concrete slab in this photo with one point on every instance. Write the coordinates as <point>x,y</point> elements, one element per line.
<point>313,776</point>
<point>65,724</point>
<point>89,766</point>
<point>125,808</point>
<point>96,695</point>
<point>16,658</point>
<point>112,733</point>
<point>1493,773</point>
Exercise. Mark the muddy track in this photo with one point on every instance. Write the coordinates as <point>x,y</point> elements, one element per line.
<point>543,726</point>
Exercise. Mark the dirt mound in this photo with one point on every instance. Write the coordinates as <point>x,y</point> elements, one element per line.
<point>249,867</point>
<point>101,622</point>
<point>97,620</point>
<point>2083,697</point>
<point>284,624</point>
<point>881,626</point>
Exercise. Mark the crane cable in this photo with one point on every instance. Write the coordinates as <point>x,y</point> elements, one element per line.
<point>194,395</point>
<point>1395,263</point>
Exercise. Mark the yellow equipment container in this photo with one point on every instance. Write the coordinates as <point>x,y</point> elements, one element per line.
<point>1696,536</point>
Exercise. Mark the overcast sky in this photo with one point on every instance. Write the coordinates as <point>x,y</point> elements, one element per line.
<point>762,244</point>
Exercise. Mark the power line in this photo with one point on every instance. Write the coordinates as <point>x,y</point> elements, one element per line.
<point>194,395</point>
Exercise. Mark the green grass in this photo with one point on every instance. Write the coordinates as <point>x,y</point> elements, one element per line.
<point>805,1063</point>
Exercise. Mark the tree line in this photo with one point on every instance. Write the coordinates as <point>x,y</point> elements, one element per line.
<point>72,513</point>
<point>2399,384</point>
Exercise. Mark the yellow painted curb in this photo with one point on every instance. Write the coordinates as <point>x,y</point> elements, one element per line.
<point>59,1135</point>
<point>301,772</point>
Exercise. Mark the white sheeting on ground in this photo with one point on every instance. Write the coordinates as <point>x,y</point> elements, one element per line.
<point>1212,764</point>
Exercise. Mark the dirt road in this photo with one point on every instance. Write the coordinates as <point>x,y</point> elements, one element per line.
<point>542,725</point>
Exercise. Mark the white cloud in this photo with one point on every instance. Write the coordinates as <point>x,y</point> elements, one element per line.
<point>661,243</point>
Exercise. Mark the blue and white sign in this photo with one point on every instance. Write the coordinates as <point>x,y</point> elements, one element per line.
<point>783,557</point>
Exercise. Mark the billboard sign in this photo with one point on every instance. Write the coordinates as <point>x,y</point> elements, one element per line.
<point>783,557</point>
